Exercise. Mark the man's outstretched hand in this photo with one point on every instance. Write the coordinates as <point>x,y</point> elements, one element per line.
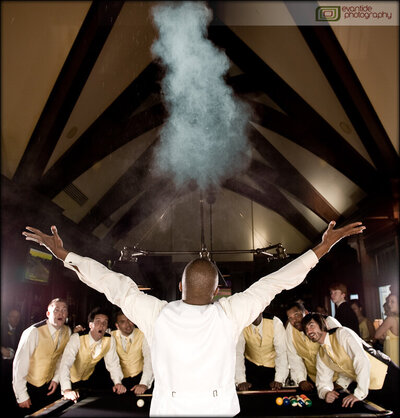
<point>332,236</point>
<point>52,242</point>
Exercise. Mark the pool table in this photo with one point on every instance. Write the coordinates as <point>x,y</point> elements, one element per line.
<point>252,403</point>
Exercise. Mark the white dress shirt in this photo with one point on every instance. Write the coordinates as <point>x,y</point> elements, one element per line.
<point>27,345</point>
<point>298,371</point>
<point>147,373</point>
<point>236,312</point>
<point>352,344</point>
<point>279,341</point>
<point>111,360</point>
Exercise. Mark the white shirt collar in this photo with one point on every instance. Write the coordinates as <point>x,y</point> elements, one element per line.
<point>92,340</point>
<point>52,328</point>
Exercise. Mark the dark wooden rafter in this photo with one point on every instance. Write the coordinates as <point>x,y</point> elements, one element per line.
<point>67,88</point>
<point>273,199</point>
<point>301,120</point>
<point>328,146</point>
<point>158,196</point>
<point>114,128</point>
<point>352,96</point>
<point>289,178</point>
<point>129,185</point>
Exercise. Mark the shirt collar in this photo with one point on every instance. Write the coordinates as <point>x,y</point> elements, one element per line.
<point>92,340</point>
<point>327,340</point>
<point>52,328</point>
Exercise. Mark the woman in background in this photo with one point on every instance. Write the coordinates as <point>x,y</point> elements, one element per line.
<point>389,330</point>
<point>367,330</point>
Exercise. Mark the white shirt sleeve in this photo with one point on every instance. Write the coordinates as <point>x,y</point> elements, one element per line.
<point>112,363</point>
<point>240,371</point>
<point>140,308</point>
<point>147,374</point>
<point>67,360</point>
<point>281,361</point>
<point>27,345</point>
<point>352,344</point>
<point>244,307</point>
<point>324,379</point>
<point>298,371</point>
<point>331,322</point>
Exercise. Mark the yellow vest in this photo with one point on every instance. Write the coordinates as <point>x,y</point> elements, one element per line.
<point>391,345</point>
<point>260,351</point>
<point>132,359</point>
<point>339,361</point>
<point>307,350</point>
<point>84,363</point>
<point>42,364</point>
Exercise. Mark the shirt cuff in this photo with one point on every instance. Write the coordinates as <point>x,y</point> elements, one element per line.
<point>310,259</point>
<point>359,394</point>
<point>323,391</point>
<point>22,397</point>
<point>71,259</point>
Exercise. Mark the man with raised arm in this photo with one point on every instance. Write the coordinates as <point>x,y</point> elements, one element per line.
<point>192,340</point>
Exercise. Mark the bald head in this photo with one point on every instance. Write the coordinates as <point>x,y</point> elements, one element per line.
<point>199,282</point>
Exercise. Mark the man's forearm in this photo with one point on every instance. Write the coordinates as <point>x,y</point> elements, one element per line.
<point>320,250</point>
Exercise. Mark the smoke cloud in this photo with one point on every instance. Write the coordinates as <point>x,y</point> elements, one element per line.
<point>204,138</point>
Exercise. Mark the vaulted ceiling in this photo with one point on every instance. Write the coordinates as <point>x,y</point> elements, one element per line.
<point>82,110</point>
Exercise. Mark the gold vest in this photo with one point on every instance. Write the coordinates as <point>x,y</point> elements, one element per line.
<point>84,363</point>
<point>42,364</point>
<point>391,345</point>
<point>132,359</point>
<point>339,361</point>
<point>307,350</point>
<point>260,351</point>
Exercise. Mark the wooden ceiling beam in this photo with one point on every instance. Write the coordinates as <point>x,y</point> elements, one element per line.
<point>326,145</point>
<point>352,96</point>
<point>273,199</point>
<point>67,89</point>
<point>158,196</point>
<point>301,120</point>
<point>111,130</point>
<point>129,185</point>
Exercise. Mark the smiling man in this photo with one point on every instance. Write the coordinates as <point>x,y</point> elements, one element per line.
<point>37,360</point>
<point>360,368</point>
<point>301,351</point>
<point>84,350</point>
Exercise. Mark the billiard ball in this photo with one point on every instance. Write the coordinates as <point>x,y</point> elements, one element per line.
<point>140,403</point>
<point>279,401</point>
<point>286,401</point>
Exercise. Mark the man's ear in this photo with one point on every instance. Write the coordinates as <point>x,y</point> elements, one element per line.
<point>47,313</point>
<point>306,312</point>
<point>180,286</point>
<point>216,291</point>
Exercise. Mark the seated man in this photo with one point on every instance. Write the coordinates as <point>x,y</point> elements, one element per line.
<point>134,355</point>
<point>301,351</point>
<point>343,351</point>
<point>37,359</point>
<point>84,350</point>
<point>261,355</point>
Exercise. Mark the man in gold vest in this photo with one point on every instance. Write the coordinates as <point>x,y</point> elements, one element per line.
<point>37,359</point>
<point>261,355</point>
<point>134,355</point>
<point>301,351</point>
<point>84,350</point>
<point>360,368</point>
